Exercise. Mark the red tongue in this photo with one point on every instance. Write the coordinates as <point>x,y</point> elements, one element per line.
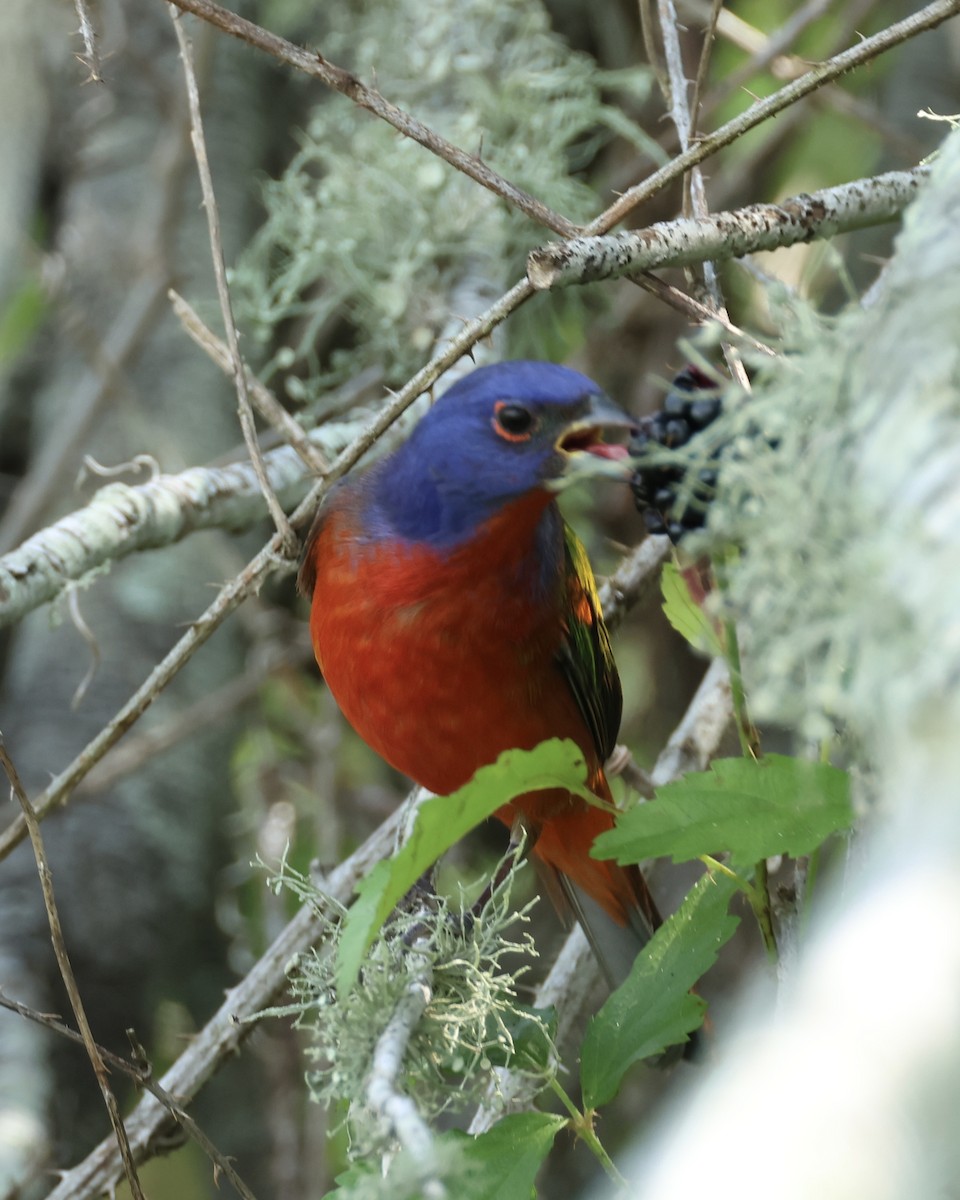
<point>602,450</point>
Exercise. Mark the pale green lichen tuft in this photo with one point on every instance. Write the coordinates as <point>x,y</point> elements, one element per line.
<point>369,237</point>
<point>473,1024</point>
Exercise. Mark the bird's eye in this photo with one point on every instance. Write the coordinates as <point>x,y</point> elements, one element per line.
<point>512,421</point>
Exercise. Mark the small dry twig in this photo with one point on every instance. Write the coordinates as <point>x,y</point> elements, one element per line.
<point>91,56</point>
<point>268,406</point>
<point>314,64</point>
<point>863,52</point>
<point>238,369</point>
<point>66,973</point>
<point>140,1073</point>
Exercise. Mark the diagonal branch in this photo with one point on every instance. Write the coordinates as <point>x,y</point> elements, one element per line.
<point>865,50</point>
<point>314,64</point>
<point>223,1034</point>
<point>252,577</point>
<point>141,1076</point>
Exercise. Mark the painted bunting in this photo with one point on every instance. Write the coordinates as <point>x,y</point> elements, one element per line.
<point>455,615</point>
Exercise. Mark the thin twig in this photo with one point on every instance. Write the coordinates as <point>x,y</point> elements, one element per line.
<point>267,405</point>
<point>315,65</point>
<point>696,189</point>
<point>703,64</point>
<point>207,710</point>
<point>268,561</point>
<point>66,973</point>
<point>245,412</point>
<point>141,1076</point>
<point>697,311</point>
<point>865,50</point>
<point>222,1035</point>
<point>91,56</point>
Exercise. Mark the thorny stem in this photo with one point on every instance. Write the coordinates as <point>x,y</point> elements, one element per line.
<point>746,731</point>
<point>582,1125</point>
<point>757,896</point>
<point>750,745</point>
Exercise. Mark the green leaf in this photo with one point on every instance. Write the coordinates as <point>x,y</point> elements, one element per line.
<point>685,614</point>
<point>357,1173</point>
<point>503,1162</point>
<point>441,822</point>
<point>753,809</point>
<point>532,1032</point>
<point>654,1008</point>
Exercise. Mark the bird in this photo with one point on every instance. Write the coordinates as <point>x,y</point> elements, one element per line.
<point>454,615</point>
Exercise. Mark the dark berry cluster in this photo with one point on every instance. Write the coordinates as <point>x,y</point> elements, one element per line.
<point>691,405</point>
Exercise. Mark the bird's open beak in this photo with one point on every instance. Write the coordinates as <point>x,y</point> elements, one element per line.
<point>595,444</point>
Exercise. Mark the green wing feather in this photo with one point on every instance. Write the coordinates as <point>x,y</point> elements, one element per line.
<point>586,657</point>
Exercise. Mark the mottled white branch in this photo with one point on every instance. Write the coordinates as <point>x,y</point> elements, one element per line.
<point>696,740</point>
<point>123,518</point>
<point>802,218</point>
<point>637,573</point>
<point>399,1115</point>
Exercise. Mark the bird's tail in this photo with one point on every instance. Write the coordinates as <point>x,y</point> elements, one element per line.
<point>612,903</point>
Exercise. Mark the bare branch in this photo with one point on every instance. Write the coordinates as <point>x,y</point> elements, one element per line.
<point>140,1074</point>
<point>315,65</point>
<point>226,1030</point>
<point>865,50</point>
<point>802,218</point>
<point>66,974</point>
<point>91,55</point>
<point>633,579</point>
<point>267,405</point>
<point>238,369</point>
<point>259,568</point>
<point>384,1093</point>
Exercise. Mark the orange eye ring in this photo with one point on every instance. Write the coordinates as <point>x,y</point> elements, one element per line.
<point>512,421</point>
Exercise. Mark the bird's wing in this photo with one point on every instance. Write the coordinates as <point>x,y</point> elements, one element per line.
<point>585,656</point>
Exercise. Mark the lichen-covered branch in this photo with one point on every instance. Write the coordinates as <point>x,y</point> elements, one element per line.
<point>802,218</point>
<point>124,518</point>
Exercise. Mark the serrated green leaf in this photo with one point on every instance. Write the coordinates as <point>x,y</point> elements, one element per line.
<point>653,1008</point>
<point>685,614</point>
<point>753,809</point>
<point>347,1180</point>
<point>440,823</point>
<point>503,1162</point>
